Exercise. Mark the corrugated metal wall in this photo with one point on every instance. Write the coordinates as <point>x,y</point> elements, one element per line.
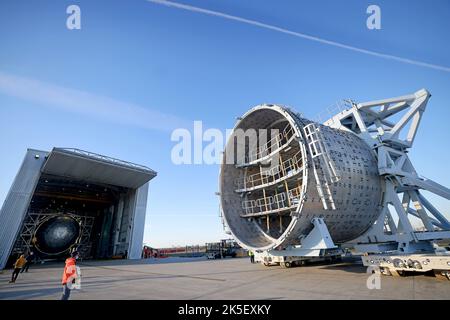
<point>130,223</point>
<point>138,223</point>
<point>17,201</point>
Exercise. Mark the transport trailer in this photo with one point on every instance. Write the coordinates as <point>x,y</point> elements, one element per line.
<point>402,264</point>
<point>276,258</point>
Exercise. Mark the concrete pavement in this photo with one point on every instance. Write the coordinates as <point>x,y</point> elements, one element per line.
<point>198,278</point>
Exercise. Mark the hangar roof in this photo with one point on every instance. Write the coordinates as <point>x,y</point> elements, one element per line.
<point>89,166</point>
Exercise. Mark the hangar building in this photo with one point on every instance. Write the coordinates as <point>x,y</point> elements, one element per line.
<point>70,198</point>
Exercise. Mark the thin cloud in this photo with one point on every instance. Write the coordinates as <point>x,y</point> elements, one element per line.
<point>86,103</point>
<point>299,35</point>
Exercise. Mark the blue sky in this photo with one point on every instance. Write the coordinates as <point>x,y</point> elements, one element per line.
<point>158,68</point>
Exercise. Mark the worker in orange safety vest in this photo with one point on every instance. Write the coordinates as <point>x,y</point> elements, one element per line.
<point>69,275</point>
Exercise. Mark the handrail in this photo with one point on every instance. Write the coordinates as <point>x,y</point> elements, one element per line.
<point>275,142</point>
<point>271,204</point>
<point>290,167</point>
<point>329,112</point>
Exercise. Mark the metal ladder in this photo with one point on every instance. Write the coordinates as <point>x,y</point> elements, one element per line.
<point>323,166</point>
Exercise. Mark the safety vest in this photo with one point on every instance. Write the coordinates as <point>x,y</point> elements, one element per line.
<point>70,270</point>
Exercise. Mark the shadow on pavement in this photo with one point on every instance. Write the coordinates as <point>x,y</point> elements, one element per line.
<point>27,294</point>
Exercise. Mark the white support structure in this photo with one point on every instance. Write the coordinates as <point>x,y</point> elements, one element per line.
<point>402,185</point>
<point>317,245</point>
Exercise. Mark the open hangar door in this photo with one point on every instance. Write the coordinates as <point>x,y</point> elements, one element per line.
<point>70,198</point>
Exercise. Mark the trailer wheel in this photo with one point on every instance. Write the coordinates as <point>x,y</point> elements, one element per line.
<point>442,275</point>
<point>385,271</point>
<point>399,273</point>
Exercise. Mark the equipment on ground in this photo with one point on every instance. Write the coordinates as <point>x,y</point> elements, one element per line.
<point>224,248</point>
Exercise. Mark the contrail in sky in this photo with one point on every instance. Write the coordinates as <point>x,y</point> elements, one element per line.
<point>87,103</point>
<point>299,35</point>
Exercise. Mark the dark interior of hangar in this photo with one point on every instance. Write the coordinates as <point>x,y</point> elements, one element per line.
<point>71,198</point>
<point>65,214</point>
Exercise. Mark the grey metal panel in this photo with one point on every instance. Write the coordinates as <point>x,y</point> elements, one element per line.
<point>78,164</point>
<point>117,224</point>
<point>127,222</point>
<point>17,201</point>
<point>138,223</point>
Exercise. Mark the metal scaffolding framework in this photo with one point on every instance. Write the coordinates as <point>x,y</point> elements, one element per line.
<point>25,240</point>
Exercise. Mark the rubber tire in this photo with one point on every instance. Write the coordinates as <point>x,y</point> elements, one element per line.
<point>439,276</point>
<point>399,273</point>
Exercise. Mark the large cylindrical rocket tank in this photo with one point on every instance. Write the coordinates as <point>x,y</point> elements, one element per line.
<point>298,170</point>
